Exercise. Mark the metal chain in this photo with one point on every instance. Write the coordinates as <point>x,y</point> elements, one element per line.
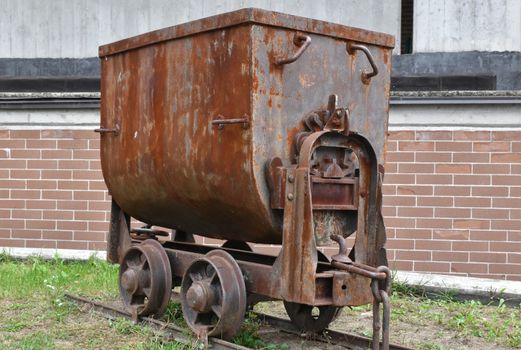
<point>381,289</point>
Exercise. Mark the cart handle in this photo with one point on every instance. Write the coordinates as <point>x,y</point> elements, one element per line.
<point>366,76</point>
<point>300,40</point>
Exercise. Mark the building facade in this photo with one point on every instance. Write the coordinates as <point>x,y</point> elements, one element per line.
<point>453,167</point>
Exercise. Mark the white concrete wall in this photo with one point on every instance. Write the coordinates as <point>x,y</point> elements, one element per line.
<point>75,28</point>
<point>467,25</point>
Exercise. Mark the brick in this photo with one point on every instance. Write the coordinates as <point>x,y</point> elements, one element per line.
<point>24,134</point>
<point>506,135</point>
<point>27,234</point>
<point>399,201</point>
<point>97,175</point>
<point>433,157</point>
<point>471,158</point>
<point>12,242</point>
<point>512,180</point>
<point>73,164</point>
<point>405,190</point>
<point>453,168</point>
<point>57,154</point>
<point>471,180</point>
<point>97,226</point>
<point>100,185</point>
<point>514,258</point>
<point>25,194</point>
<point>434,201</point>
<point>505,268</point>
<point>25,154</point>
<point>454,146</point>
<point>513,247</point>
<point>490,213</point>
<point>491,169</point>
<point>515,191</point>
<point>89,236</point>
<point>468,267</point>
<point>515,169</point>
<point>42,184</point>
<point>489,257</point>
<point>72,205</point>
<point>450,256</point>
<point>56,174</point>
<point>72,245</point>
<point>73,185</point>
<point>471,224</point>
<point>472,202</point>
<point>516,146</point>
<point>73,144</point>
<point>40,204</point>
<point>401,135</point>
<point>489,191</point>
<point>471,135</point>
<point>99,205</point>
<point>13,164</point>
<point>89,195</point>
<point>89,215</point>
<point>416,168</point>
<point>40,244</point>
<point>390,168</point>
<point>491,146</point>
<point>94,144</point>
<point>58,215</point>
<point>400,222</point>
<point>61,195</point>
<point>452,191</point>
<point>434,179</point>
<point>451,234</point>
<point>434,223</point>
<point>432,244</point>
<point>391,146</point>
<point>415,255</point>
<point>42,164</point>
<point>12,144</point>
<point>488,235</point>
<point>401,265</point>
<point>85,134</point>
<point>505,157</point>
<point>397,157</point>
<point>41,144</point>
<point>24,174</point>
<point>415,212</point>
<point>26,214</point>
<point>72,225</point>
<point>452,213</point>
<point>511,277</point>
<point>57,133</point>
<point>388,211</point>
<point>400,244</point>
<point>506,224</point>
<point>5,233</point>
<point>515,213</point>
<point>10,184</point>
<point>12,203</point>
<point>469,246</point>
<point>506,203</point>
<point>4,134</point>
<point>86,154</point>
<point>413,233</point>
<point>422,266</point>
<point>514,236</point>
<point>415,146</point>
<point>41,224</point>
<point>394,179</point>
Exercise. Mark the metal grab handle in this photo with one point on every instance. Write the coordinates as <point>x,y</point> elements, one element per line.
<point>103,130</point>
<point>366,76</point>
<point>300,40</point>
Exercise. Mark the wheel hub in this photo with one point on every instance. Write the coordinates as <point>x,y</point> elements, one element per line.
<point>200,296</point>
<point>130,281</point>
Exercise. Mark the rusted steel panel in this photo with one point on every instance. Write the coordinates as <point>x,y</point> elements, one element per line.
<point>191,115</point>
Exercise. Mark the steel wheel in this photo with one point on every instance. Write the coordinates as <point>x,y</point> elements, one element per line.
<point>311,318</point>
<point>145,278</point>
<point>213,295</point>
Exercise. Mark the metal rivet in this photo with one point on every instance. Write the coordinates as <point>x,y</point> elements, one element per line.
<point>290,196</point>
<point>291,178</point>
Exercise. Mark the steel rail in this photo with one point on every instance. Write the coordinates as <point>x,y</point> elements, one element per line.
<point>347,340</point>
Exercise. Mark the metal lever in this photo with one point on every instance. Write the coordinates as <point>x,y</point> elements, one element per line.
<point>300,40</point>
<point>102,130</point>
<point>366,76</point>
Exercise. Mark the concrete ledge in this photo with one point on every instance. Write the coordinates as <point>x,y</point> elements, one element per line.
<point>46,253</point>
<point>466,288</point>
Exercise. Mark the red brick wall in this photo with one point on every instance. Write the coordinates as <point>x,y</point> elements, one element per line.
<point>452,198</point>
<point>52,193</point>
<point>453,202</point>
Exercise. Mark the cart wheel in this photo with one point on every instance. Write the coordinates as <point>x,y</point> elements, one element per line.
<point>311,318</point>
<point>213,295</point>
<point>145,278</point>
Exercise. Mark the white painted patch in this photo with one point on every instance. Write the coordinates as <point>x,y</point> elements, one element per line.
<point>69,254</point>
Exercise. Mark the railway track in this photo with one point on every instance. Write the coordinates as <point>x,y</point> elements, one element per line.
<point>328,337</point>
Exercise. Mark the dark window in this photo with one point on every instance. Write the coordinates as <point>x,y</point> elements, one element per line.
<point>406,29</point>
